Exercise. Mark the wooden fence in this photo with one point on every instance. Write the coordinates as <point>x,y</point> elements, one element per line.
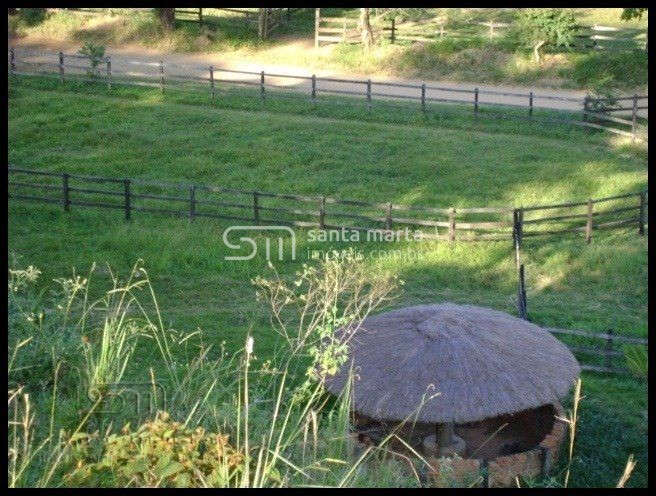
<point>262,208</point>
<point>161,74</point>
<point>609,351</point>
<point>335,29</point>
<point>189,200</point>
<point>588,37</point>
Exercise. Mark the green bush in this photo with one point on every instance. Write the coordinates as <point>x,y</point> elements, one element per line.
<point>32,17</point>
<point>161,453</point>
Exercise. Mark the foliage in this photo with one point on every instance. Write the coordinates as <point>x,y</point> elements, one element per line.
<point>32,17</point>
<point>96,54</point>
<point>161,453</point>
<point>628,14</point>
<point>540,26</point>
<point>637,360</point>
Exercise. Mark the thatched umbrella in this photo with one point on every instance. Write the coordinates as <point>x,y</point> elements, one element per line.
<point>450,363</point>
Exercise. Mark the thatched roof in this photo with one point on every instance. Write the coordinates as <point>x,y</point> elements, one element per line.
<point>482,362</point>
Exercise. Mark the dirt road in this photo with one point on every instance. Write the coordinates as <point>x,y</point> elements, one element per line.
<point>128,60</point>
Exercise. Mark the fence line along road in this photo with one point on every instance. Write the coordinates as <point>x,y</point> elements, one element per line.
<point>261,207</point>
<point>586,112</point>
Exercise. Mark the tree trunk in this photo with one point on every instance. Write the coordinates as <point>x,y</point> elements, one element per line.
<point>364,26</point>
<point>536,51</point>
<point>166,18</point>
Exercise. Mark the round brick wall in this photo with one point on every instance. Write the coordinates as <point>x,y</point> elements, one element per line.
<point>534,437</point>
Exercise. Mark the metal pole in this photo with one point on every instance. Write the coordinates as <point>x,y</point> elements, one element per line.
<point>322,213</point>
<point>314,89</point>
<point>256,208</point>
<point>530,105</point>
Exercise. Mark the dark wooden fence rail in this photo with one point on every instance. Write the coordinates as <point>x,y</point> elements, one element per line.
<point>158,75</point>
<point>444,224</point>
<point>609,351</point>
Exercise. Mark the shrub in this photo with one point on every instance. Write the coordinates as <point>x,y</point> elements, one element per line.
<point>32,17</point>
<point>161,453</point>
<point>96,54</point>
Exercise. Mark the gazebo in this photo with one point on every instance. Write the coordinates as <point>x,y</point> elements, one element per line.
<point>459,379</point>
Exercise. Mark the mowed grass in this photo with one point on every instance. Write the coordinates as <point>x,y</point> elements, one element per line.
<point>596,287</point>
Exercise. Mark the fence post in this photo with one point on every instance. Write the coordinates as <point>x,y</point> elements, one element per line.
<point>476,101</point>
<point>161,75</point>
<point>200,17</point>
<point>586,106</point>
<point>212,80</point>
<point>369,95</point>
<point>393,35</point>
<point>61,67</point>
<point>423,98</point>
<point>609,349</point>
<point>314,90</point>
<point>521,294</point>
<point>109,73</point>
<point>192,202</point>
<point>262,86</point>
<point>317,18</point>
<point>256,208</point>
<point>530,105</point>
<point>588,224</point>
<point>634,120</point>
<point>66,192</point>
<point>452,225</point>
<point>643,210</point>
<point>12,61</point>
<point>322,213</point>
<point>388,218</point>
<point>126,183</point>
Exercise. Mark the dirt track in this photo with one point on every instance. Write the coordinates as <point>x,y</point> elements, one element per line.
<point>196,64</point>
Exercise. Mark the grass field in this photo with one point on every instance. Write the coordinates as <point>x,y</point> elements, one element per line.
<point>467,54</point>
<point>146,135</point>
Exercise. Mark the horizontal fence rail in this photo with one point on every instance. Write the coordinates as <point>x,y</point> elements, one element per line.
<point>390,221</point>
<point>588,112</point>
<point>611,354</point>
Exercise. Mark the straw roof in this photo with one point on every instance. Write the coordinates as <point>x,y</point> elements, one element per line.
<point>482,362</point>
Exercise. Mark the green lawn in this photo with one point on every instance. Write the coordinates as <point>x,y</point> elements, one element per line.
<point>144,135</point>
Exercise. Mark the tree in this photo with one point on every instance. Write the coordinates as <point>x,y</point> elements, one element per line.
<point>166,18</point>
<point>628,14</point>
<point>364,25</point>
<point>538,27</point>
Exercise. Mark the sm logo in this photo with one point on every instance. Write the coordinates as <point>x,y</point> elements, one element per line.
<point>276,233</point>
